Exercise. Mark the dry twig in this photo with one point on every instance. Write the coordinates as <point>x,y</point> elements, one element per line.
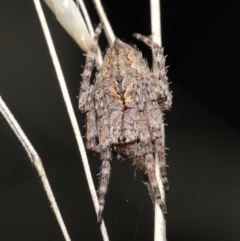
<point>36,161</point>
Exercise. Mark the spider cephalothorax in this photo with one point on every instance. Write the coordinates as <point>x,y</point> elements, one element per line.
<point>124,111</point>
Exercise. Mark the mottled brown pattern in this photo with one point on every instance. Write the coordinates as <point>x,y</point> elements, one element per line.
<point>124,111</point>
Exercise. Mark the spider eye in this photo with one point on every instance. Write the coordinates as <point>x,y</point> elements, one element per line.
<point>122,139</point>
<point>119,78</point>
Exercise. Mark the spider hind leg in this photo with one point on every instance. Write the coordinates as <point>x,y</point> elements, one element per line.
<point>162,163</point>
<point>150,167</point>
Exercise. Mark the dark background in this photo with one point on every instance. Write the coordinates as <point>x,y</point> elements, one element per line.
<point>201,39</point>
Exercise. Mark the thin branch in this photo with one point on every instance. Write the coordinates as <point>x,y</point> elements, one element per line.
<point>70,112</point>
<point>159,220</point>
<point>156,21</point>
<point>86,16</point>
<point>36,161</point>
<point>107,27</point>
<point>90,28</point>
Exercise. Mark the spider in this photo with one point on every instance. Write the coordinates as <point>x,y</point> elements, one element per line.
<point>124,111</point>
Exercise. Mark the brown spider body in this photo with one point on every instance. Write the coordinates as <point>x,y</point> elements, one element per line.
<point>124,111</point>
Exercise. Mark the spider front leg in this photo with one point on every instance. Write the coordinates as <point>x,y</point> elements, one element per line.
<point>105,152</point>
<point>90,59</point>
<point>91,133</point>
<point>86,95</point>
<point>87,104</point>
<point>160,78</point>
<point>158,55</point>
<point>104,147</point>
<point>103,186</point>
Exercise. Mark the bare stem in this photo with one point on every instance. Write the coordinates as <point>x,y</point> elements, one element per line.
<point>159,220</point>
<point>36,161</point>
<point>90,28</point>
<point>71,114</point>
<point>107,27</point>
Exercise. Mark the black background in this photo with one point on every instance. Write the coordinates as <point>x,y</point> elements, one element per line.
<point>201,39</point>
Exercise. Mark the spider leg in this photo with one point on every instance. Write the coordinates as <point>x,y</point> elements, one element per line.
<point>150,167</point>
<point>162,86</point>
<point>103,186</point>
<point>104,147</point>
<point>155,123</point>
<point>158,55</point>
<point>105,151</point>
<point>86,95</point>
<point>90,59</point>
<point>145,138</point>
<point>146,127</point>
<point>160,151</point>
<point>91,121</point>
